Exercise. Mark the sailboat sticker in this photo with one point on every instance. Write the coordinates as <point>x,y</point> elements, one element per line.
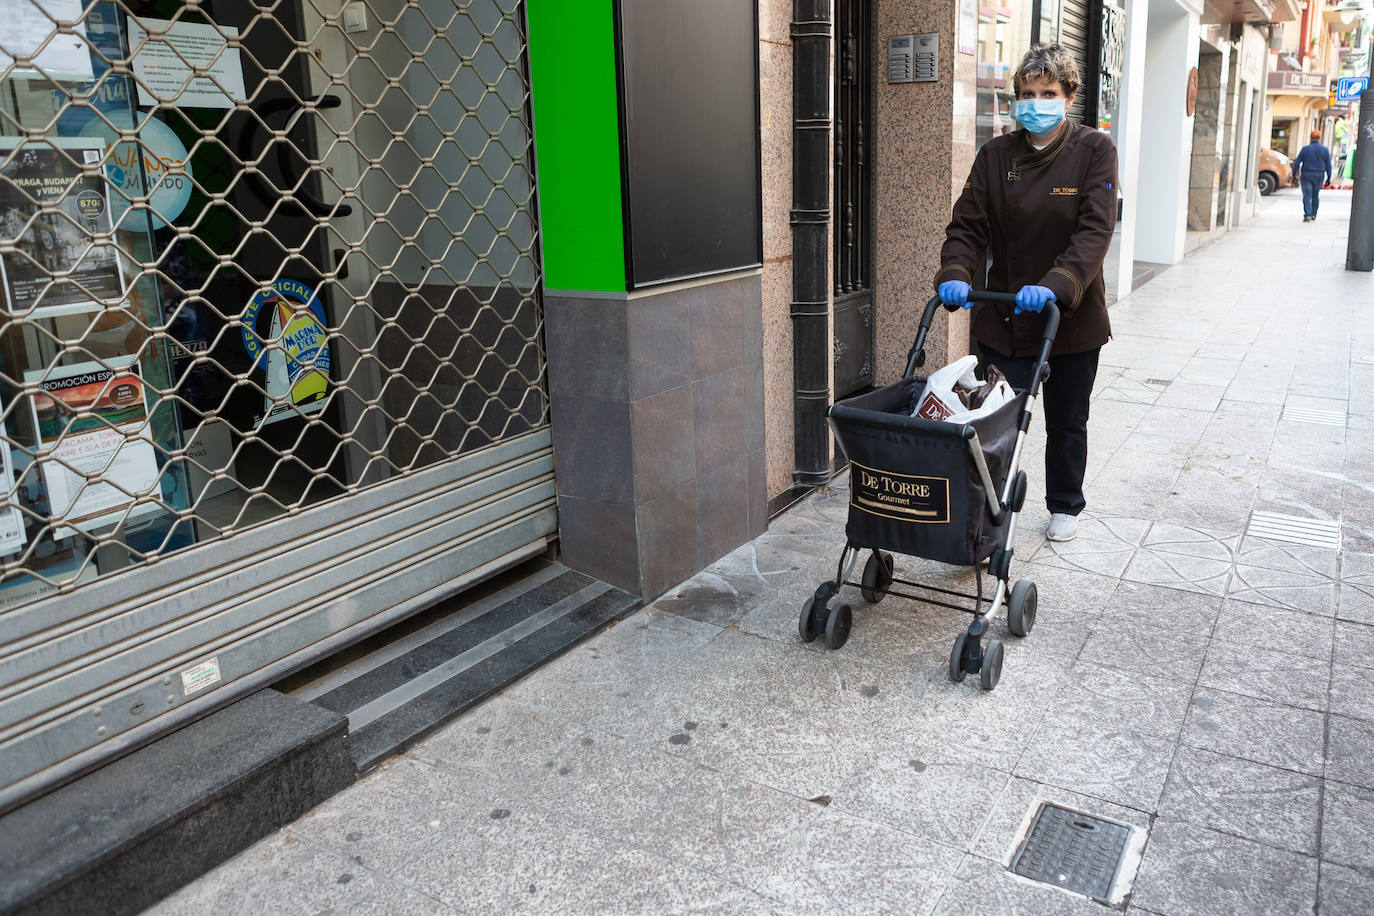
<point>294,351</point>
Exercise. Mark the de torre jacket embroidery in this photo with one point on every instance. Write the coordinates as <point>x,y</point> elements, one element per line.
<point>1043,218</point>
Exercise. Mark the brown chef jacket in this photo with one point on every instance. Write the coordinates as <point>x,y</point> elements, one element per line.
<point>1045,218</point>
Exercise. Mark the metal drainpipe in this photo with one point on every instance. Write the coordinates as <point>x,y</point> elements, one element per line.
<point>811,30</point>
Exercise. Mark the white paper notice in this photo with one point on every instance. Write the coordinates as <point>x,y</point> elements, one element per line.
<point>968,27</point>
<point>26,24</point>
<point>188,64</point>
<point>92,423</point>
<point>11,519</point>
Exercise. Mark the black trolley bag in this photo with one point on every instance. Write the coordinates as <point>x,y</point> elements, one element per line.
<point>942,491</point>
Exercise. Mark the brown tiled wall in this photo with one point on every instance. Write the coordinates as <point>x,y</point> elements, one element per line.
<point>923,151</point>
<point>657,404</point>
<point>775,106</point>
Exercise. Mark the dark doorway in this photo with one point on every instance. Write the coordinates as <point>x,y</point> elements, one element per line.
<point>853,267</point>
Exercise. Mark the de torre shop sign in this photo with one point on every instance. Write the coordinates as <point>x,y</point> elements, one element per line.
<point>1295,80</point>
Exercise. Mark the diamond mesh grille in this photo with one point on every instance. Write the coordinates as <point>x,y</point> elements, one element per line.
<point>255,255</point>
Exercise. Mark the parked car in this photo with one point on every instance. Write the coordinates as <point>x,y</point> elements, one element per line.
<point>1275,171</point>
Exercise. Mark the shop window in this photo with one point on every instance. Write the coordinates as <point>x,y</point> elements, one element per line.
<point>253,257</point>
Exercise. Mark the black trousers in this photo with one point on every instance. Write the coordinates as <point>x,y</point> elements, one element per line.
<point>1064,400</point>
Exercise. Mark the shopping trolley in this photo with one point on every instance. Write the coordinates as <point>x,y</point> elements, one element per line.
<point>942,491</point>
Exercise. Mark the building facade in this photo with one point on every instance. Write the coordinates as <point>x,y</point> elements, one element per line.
<point>1310,55</point>
<point>320,312</point>
<point>273,372</point>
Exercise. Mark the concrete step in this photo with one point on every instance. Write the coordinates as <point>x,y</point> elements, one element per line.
<point>128,834</point>
<point>134,831</point>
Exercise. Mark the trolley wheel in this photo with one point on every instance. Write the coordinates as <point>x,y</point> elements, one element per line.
<point>991,672</point>
<point>808,627</point>
<point>1021,608</point>
<point>837,625</point>
<point>956,659</point>
<point>877,577</point>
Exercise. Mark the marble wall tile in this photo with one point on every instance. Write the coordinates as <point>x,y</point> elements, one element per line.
<point>596,537</point>
<point>667,529</point>
<point>675,433</point>
<point>587,347</point>
<point>664,442</point>
<point>717,327</point>
<point>592,445</point>
<point>722,515</point>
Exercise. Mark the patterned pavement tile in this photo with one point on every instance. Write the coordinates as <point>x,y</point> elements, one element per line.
<point>1347,751</point>
<point>1192,559</point>
<point>1227,723</point>
<point>1356,601</point>
<point>1103,547</point>
<point>1266,804</point>
<point>1277,675</point>
<point>1268,627</point>
<point>1172,609</point>
<point>985,887</point>
<point>1347,812</point>
<point>844,864</point>
<point>1123,767</point>
<point>1124,700</point>
<point>939,797</point>
<point>1345,890</point>
<point>1147,650</point>
<point>1193,870</point>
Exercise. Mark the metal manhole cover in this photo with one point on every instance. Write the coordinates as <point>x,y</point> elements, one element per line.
<point>1072,850</point>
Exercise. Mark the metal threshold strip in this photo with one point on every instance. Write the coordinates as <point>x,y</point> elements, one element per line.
<point>364,716</point>
<point>396,689</point>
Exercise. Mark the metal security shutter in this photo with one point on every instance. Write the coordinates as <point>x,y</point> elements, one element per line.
<point>284,384</point>
<point>1075,18</point>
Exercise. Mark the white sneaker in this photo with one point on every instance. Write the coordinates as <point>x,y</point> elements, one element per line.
<point>1062,527</point>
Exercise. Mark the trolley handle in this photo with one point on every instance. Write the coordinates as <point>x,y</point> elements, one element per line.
<point>917,357</point>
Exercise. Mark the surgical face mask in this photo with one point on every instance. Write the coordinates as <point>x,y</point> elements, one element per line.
<point>1039,116</point>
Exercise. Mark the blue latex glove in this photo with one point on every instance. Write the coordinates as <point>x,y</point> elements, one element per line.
<point>1033,298</point>
<point>954,292</point>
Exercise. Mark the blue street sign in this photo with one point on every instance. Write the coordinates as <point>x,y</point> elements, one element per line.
<point>1348,88</point>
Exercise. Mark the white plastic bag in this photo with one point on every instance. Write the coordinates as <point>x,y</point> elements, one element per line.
<point>1000,394</point>
<point>939,399</point>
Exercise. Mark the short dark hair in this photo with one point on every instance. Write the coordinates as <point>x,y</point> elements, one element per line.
<point>1050,61</point>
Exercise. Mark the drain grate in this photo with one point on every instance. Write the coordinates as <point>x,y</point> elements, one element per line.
<point>1323,417</point>
<point>1073,850</point>
<point>1295,529</point>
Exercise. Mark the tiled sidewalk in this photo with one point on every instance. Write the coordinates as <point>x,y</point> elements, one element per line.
<point>1208,685</point>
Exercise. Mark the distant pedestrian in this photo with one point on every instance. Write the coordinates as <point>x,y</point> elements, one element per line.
<point>1041,204</point>
<point>1312,168</point>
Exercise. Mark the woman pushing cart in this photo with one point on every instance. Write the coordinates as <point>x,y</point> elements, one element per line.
<point>1040,204</point>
